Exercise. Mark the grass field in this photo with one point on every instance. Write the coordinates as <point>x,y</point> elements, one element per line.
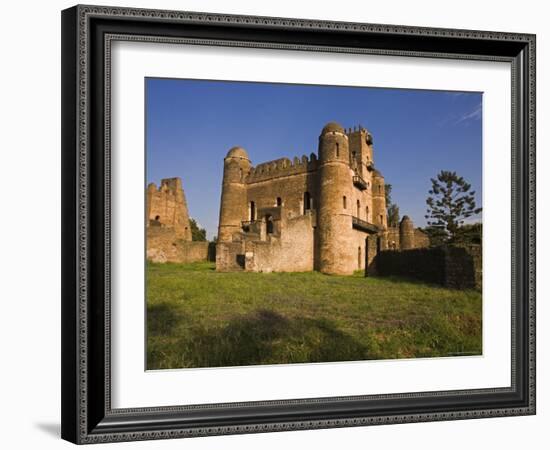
<point>197,317</point>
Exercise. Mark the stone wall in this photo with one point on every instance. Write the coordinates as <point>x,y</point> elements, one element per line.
<point>290,190</point>
<point>339,188</point>
<point>167,206</point>
<point>289,249</point>
<point>454,267</point>
<point>163,245</point>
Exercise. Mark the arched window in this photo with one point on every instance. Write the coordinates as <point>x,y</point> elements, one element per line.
<point>345,202</point>
<point>252,212</point>
<point>337,150</point>
<point>307,202</point>
<point>269,224</point>
<point>157,217</point>
<point>358,208</point>
<point>279,201</point>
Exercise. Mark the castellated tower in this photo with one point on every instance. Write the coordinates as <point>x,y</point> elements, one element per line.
<point>325,212</point>
<point>233,206</point>
<point>167,207</point>
<point>335,244</point>
<point>406,233</point>
<point>361,151</point>
<point>378,200</point>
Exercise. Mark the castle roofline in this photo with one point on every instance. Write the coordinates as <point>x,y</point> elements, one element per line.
<point>333,127</point>
<point>237,152</point>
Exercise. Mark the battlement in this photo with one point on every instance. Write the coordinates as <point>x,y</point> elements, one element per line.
<point>359,131</point>
<point>172,185</point>
<point>282,167</point>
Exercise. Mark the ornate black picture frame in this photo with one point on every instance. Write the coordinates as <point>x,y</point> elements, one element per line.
<point>87,33</point>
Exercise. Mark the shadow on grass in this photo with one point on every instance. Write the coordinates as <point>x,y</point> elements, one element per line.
<point>161,320</point>
<point>263,337</point>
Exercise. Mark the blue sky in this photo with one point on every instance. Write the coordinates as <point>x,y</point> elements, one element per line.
<point>191,124</point>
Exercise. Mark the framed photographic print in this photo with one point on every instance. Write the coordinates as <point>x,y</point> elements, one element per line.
<point>280,224</point>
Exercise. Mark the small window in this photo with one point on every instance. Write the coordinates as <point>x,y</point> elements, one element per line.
<point>345,202</point>
<point>157,217</point>
<point>269,224</point>
<point>379,188</point>
<point>358,208</point>
<point>367,213</point>
<point>381,219</point>
<point>337,150</point>
<point>252,211</point>
<point>279,201</point>
<point>307,202</point>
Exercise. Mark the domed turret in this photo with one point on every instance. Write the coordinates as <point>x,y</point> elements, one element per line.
<point>237,152</point>
<point>333,143</point>
<point>233,206</point>
<point>333,127</point>
<point>406,233</point>
<point>335,248</point>
<point>378,200</point>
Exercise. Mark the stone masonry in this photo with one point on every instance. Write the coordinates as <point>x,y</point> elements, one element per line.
<point>168,229</point>
<point>311,213</point>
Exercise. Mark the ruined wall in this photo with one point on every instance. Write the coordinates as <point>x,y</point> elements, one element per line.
<point>167,206</point>
<point>394,241</point>
<point>163,245</point>
<point>230,256</point>
<point>393,238</point>
<point>291,251</point>
<point>454,267</point>
<point>421,239</point>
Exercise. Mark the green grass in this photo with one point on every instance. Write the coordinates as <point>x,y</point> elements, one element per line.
<point>197,317</point>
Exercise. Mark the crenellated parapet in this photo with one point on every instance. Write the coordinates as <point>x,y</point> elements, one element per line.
<point>282,167</point>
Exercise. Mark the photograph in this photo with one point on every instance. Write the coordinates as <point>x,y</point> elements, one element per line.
<point>296,223</point>
<point>287,219</point>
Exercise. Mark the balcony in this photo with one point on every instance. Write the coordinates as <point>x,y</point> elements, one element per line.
<point>363,225</point>
<point>247,225</point>
<point>359,183</point>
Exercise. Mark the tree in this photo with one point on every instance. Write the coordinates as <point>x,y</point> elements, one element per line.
<point>450,202</point>
<point>469,234</point>
<point>437,236</point>
<point>197,234</point>
<point>392,209</point>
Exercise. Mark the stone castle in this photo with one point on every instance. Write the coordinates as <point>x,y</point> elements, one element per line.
<point>167,222</point>
<point>325,213</point>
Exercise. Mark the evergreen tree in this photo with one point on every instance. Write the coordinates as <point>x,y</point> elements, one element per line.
<point>392,209</point>
<point>469,234</point>
<point>197,234</point>
<point>450,202</point>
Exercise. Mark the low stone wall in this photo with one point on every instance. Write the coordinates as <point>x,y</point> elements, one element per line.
<point>290,251</point>
<point>163,246</point>
<point>454,267</point>
<point>229,256</point>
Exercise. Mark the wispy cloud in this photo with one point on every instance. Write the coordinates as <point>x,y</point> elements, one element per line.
<point>472,115</point>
